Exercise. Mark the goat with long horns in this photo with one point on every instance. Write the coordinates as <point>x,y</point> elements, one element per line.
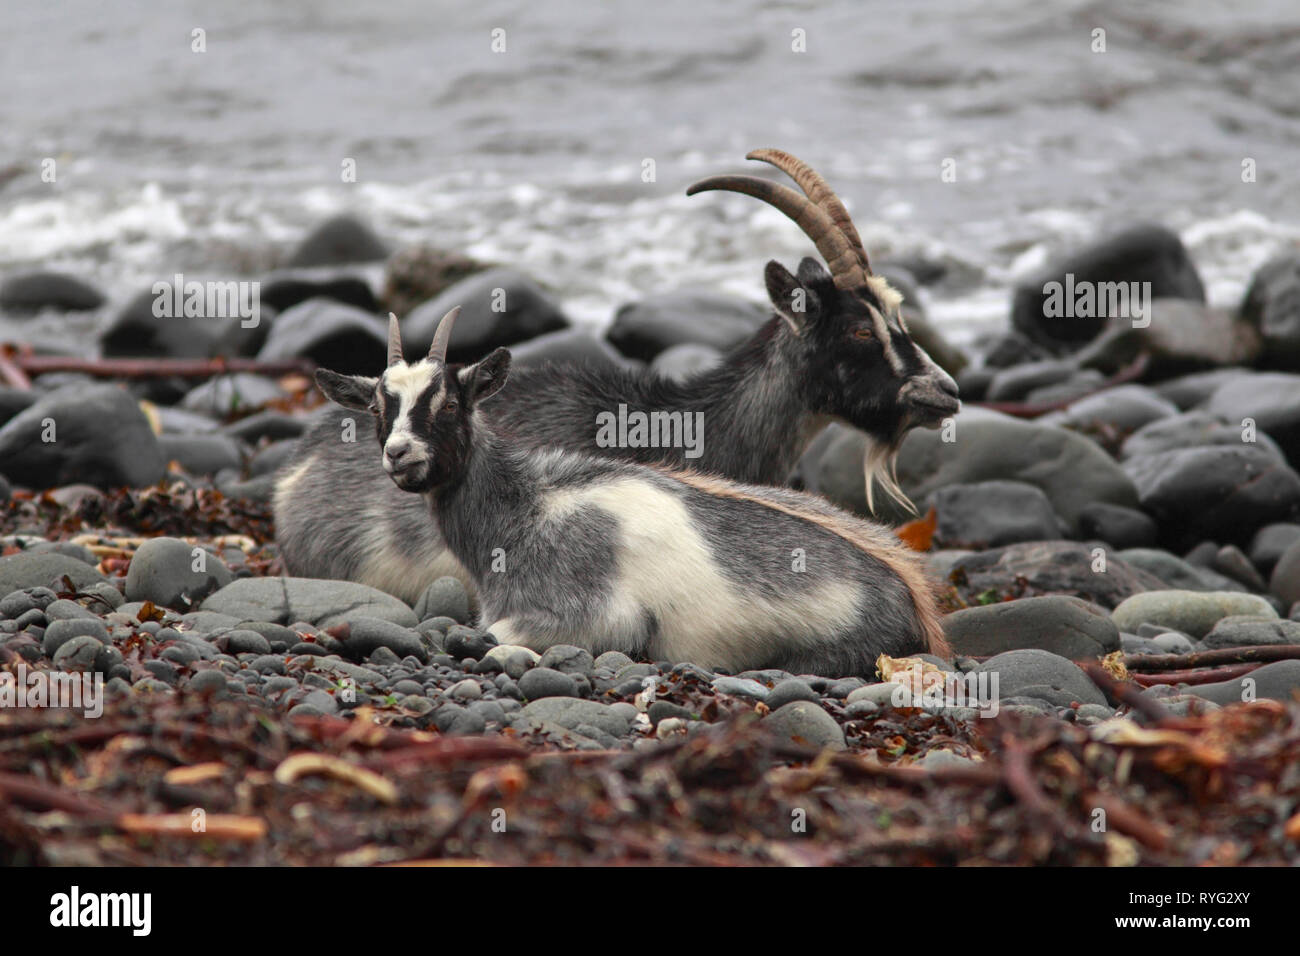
<point>836,349</point>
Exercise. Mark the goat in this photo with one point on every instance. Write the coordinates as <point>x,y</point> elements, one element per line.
<point>836,348</point>
<point>609,555</point>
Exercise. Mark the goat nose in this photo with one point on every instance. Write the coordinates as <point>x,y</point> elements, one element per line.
<point>948,385</point>
<point>396,451</point>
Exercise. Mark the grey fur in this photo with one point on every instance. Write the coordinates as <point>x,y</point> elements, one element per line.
<point>611,555</point>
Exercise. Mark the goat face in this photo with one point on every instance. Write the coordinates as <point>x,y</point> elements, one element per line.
<point>424,414</point>
<point>860,363</point>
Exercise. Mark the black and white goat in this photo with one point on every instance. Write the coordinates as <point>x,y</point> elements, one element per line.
<point>613,555</point>
<point>836,349</point>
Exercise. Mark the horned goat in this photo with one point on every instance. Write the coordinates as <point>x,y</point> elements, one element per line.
<point>836,349</point>
<point>610,555</point>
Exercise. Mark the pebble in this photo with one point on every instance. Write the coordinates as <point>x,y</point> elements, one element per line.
<point>740,687</point>
<point>541,682</point>
<point>807,723</point>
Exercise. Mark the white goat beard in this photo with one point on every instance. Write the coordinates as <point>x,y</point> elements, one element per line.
<point>880,464</point>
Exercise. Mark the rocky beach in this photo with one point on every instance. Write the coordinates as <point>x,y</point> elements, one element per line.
<point>1112,522</point>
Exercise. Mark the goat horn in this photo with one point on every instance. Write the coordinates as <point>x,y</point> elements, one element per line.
<point>394,341</point>
<point>840,255</point>
<point>438,350</point>
<point>819,191</point>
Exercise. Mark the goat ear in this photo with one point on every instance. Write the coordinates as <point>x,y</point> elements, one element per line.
<point>350,391</point>
<point>793,301</point>
<point>486,378</point>
<point>811,272</point>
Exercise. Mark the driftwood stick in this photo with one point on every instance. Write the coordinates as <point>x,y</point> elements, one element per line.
<point>1201,675</point>
<point>18,368</point>
<point>1258,654</point>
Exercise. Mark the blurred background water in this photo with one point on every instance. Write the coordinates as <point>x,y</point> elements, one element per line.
<point>215,163</point>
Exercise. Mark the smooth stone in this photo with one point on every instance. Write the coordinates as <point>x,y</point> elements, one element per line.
<point>567,659</point>
<point>790,690</point>
<point>1049,567</point>
<point>60,632</point>
<point>992,513</point>
<point>541,682</point>
<point>1266,548</point>
<point>1192,612</point>
<point>1245,631</point>
<point>163,571</point>
<point>1191,429</point>
<point>654,324</point>
<point>339,240</point>
<point>31,570</point>
<point>78,654</point>
<point>1285,579</point>
<point>1041,675</point>
<point>322,603</point>
<point>569,712</point>
<point>445,597</point>
<point>1220,493</point>
<point>1279,680</point>
<point>499,307</point>
<point>1062,624</point>
<point>805,722</point>
<point>740,687</point>
<point>1117,526</point>
<point>364,635</point>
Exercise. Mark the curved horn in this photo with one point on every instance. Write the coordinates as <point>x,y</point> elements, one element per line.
<point>840,255</point>
<point>394,341</point>
<point>438,350</point>
<point>818,190</point>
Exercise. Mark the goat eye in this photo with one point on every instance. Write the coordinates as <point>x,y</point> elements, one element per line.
<point>450,406</point>
<point>862,332</point>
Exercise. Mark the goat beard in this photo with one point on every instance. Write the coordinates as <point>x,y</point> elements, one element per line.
<point>880,464</point>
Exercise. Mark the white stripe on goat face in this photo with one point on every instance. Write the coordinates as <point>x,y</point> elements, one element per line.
<point>408,383</point>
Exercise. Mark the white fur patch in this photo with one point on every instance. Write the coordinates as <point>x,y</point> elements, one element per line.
<point>408,383</point>
<point>667,568</point>
<point>386,568</point>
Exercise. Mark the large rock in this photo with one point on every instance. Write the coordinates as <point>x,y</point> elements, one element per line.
<point>572,712</point>
<point>1194,429</point>
<point>29,569</point>
<point>34,291</point>
<point>81,435</point>
<point>1219,494</point>
<point>319,602</point>
<point>1181,337</point>
<point>992,513</point>
<point>1272,305</point>
<point>498,307</point>
<point>644,329</point>
<point>175,574</point>
<point>1033,672</point>
<point>1050,567</point>
<point>1270,399</point>
<point>1063,625</point>
<point>1145,253</point>
<point>333,335</point>
<point>338,241</point>
<point>1071,470</point>
<point>1192,612</point>
<point>136,331</point>
<point>1277,681</point>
